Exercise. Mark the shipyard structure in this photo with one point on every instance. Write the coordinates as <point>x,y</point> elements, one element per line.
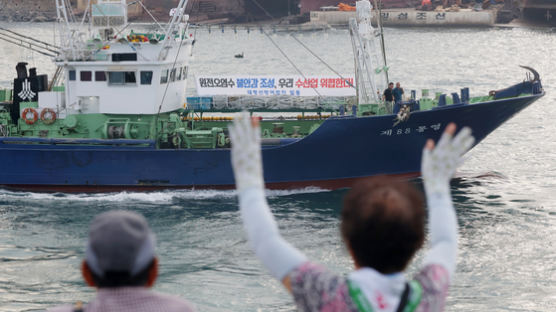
<point>244,11</point>
<point>539,11</point>
<point>221,11</point>
<point>234,11</point>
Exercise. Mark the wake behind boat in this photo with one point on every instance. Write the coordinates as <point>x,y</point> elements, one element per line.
<point>113,118</point>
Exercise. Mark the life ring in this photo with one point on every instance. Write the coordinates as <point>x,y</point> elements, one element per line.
<point>51,119</point>
<point>30,121</point>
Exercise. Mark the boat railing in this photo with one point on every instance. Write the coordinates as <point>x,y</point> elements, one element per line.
<point>526,87</point>
<point>65,141</point>
<point>269,103</point>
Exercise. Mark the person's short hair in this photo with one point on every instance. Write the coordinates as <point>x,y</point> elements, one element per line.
<point>383,223</point>
<point>391,83</point>
<point>120,249</point>
<point>113,279</point>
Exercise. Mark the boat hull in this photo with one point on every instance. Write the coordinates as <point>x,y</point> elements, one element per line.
<point>341,151</point>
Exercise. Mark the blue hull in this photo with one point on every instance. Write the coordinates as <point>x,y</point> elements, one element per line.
<point>339,152</point>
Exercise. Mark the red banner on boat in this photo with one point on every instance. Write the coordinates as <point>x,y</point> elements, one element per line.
<point>276,85</point>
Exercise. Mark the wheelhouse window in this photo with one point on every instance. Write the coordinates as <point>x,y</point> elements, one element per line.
<point>121,78</point>
<point>72,75</point>
<point>146,77</point>
<point>179,74</point>
<point>173,75</point>
<point>164,77</point>
<point>86,76</point>
<point>120,57</point>
<point>130,77</point>
<point>100,76</point>
<point>185,72</point>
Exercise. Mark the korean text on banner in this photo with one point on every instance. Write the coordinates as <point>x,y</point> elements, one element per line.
<point>275,85</point>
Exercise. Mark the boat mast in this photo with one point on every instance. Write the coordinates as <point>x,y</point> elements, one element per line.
<point>63,19</point>
<point>177,18</point>
<point>378,6</point>
<point>369,59</point>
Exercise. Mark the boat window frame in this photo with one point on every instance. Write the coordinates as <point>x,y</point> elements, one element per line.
<point>72,75</point>
<point>146,80</point>
<point>173,74</point>
<point>129,74</point>
<point>100,76</point>
<point>85,75</point>
<point>164,76</point>
<point>126,81</point>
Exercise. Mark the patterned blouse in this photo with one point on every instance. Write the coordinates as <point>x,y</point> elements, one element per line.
<point>315,289</point>
<point>130,299</point>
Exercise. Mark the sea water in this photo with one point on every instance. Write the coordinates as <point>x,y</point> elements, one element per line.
<point>504,194</point>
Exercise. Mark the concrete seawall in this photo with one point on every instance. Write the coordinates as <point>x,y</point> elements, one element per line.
<point>411,17</point>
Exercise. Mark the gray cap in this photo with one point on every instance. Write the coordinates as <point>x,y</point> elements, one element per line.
<point>119,241</point>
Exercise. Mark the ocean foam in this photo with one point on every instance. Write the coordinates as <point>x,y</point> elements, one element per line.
<point>162,197</point>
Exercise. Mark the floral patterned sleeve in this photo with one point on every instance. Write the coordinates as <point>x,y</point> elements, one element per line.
<point>315,289</point>
<point>435,281</point>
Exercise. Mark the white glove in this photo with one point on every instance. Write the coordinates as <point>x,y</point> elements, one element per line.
<point>277,255</point>
<point>246,152</point>
<point>437,168</point>
<point>439,164</point>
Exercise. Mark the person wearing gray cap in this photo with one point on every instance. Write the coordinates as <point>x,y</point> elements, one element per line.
<point>120,262</point>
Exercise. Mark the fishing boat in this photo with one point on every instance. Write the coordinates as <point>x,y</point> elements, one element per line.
<point>113,116</point>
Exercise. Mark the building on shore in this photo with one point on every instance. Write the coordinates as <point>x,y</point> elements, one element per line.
<point>307,6</point>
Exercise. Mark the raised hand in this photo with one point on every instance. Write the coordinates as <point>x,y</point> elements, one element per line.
<point>439,164</point>
<point>245,135</point>
<point>277,255</point>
